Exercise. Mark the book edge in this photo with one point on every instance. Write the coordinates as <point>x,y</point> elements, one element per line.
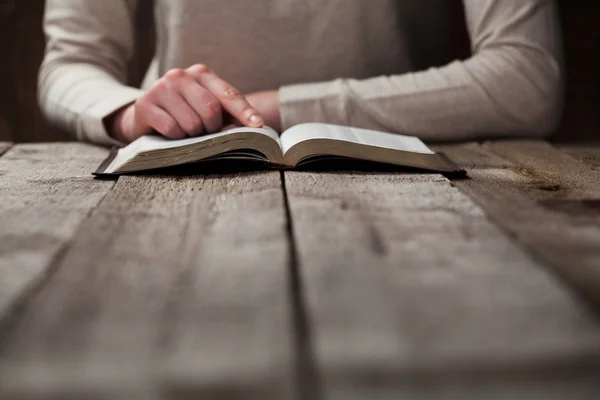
<point>456,170</point>
<point>101,171</point>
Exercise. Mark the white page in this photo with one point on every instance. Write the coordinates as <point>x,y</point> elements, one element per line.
<point>157,142</point>
<point>367,137</point>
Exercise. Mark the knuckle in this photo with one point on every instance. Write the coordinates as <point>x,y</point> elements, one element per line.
<point>213,108</point>
<point>175,134</point>
<point>231,93</point>
<point>142,104</point>
<point>198,69</point>
<point>158,87</point>
<point>192,124</point>
<point>175,73</point>
<point>169,128</point>
<point>247,110</point>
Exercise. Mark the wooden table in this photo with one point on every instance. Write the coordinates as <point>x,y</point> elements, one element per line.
<point>302,285</point>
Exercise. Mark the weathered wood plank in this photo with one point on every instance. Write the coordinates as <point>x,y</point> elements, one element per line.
<point>570,178</point>
<point>546,200</point>
<point>4,146</point>
<point>176,287</point>
<point>46,191</point>
<point>408,286</point>
<point>588,153</point>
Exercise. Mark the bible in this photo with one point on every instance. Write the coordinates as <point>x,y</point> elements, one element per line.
<point>297,146</point>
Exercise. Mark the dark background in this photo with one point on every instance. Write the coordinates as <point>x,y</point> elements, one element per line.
<point>22,46</point>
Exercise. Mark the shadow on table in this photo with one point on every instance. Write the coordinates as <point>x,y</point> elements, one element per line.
<point>234,167</point>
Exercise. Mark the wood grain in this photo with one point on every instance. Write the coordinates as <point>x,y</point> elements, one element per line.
<point>588,153</point>
<point>571,178</point>
<point>409,286</point>
<point>546,200</point>
<point>176,287</point>
<point>46,191</point>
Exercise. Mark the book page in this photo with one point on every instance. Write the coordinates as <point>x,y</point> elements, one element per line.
<point>303,132</point>
<point>157,142</point>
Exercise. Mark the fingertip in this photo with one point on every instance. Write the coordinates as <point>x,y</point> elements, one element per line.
<point>256,121</point>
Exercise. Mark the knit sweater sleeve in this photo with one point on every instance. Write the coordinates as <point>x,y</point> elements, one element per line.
<point>511,86</point>
<point>82,78</point>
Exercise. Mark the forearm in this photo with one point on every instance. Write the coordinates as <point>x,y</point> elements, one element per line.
<point>78,97</point>
<point>480,97</point>
<point>511,86</point>
<point>82,79</point>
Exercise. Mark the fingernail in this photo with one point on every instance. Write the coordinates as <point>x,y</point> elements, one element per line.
<point>256,120</point>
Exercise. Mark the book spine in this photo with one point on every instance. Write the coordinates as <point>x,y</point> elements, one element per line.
<point>283,167</point>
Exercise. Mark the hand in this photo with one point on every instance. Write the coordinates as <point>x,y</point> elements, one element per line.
<point>184,103</point>
<point>267,105</point>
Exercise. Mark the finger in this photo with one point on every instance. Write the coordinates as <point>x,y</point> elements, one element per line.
<point>229,127</point>
<point>186,117</point>
<point>232,126</point>
<point>228,120</point>
<point>163,123</point>
<point>229,97</point>
<point>204,104</point>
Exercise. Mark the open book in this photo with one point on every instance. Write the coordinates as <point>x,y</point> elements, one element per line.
<point>297,146</point>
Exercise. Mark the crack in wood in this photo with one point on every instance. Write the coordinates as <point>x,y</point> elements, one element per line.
<point>308,386</point>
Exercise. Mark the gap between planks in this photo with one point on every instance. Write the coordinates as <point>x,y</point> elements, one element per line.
<point>540,196</point>
<point>175,286</point>
<point>307,373</point>
<point>46,191</point>
<point>410,289</point>
<point>341,320</point>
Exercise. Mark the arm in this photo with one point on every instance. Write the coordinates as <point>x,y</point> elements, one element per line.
<point>82,78</point>
<point>511,86</point>
<point>82,81</point>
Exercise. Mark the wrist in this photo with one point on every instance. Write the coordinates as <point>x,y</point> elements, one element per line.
<point>117,124</point>
<point>267,104</point>
<point>277,111</point>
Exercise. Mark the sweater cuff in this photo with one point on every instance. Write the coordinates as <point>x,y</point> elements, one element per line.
<point>325,102</point>
<point>92,128</point>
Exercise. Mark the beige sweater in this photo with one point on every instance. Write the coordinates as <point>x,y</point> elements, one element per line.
<point>380,64</point>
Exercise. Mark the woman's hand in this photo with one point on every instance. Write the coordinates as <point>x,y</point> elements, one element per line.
<point>267,104</point>
<point>184,103</point>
